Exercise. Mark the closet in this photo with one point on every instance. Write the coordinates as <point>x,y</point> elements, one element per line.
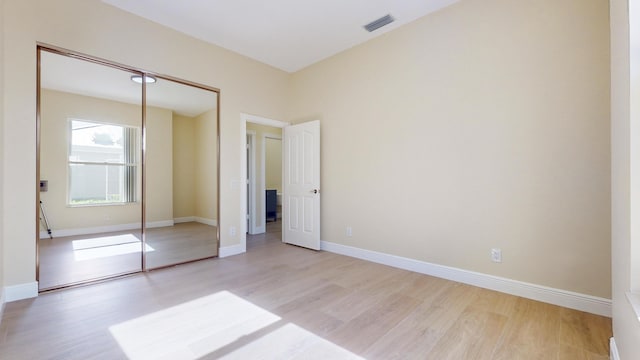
<point>127,167</point>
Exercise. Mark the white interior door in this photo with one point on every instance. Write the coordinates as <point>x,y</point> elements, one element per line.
<point>301,190</point>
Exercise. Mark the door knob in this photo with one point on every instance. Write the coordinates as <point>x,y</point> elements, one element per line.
<point>315,191</point>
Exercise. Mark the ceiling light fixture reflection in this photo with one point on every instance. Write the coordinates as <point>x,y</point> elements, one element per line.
<point>138,79</point>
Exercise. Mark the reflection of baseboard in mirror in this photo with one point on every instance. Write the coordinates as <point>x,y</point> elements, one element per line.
<point>210,222</point>
<point>89,142</point>
<point>105,229</point>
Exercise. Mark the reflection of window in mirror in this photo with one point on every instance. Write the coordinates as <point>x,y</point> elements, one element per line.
<point>103,163</point>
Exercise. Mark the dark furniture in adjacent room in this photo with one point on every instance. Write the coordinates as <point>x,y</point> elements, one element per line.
<point>271,204</point>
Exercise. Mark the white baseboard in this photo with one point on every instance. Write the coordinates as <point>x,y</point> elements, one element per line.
<point>161,223</point>
<point>90,230</point>
<point>21,291</point>
<point>123,227</point>
<point>613,350</point>
<point>210,222</point>
<point>201,220</point>
<point>232,250</point>
<point>568,299</point>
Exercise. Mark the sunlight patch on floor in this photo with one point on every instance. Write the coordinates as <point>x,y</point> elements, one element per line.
<point>104,241</point>
<point>291,342</point>
<point>106,246</point>
<point>171,333</point>
<point>223,325</point>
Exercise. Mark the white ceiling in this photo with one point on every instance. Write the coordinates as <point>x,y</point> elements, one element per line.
<point>286,34</point>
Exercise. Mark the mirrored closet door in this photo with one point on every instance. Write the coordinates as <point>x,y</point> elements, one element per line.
<point>110,203</point>
<point>181,173</point>
<point>90,171</point>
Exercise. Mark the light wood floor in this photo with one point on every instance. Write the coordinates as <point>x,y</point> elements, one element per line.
<point>279,302</point>
<point>72,259</point>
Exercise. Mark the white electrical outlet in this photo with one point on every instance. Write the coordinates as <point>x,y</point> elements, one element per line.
<point>496,255</point>
<point>349,231</point>
<point>232,231</point>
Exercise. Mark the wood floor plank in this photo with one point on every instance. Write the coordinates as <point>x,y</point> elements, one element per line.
<point>474,335</point>
<point>364,330</point>
<point>533,331</point>
<point>584,331</point>
<point>568,352</point>
<point>419,332</point>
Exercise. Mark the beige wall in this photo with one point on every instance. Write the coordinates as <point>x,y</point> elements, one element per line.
<point>206,181</point>
<point>159,165</point>
<point>184,152</point>
<point>87,26</point>
<point>625,121</point>
<point>260,132</point>
<point>2,96</point>
<point>273,163</point>
<point>634,114</point>
<point>483,125</point>
<point>195,166</point>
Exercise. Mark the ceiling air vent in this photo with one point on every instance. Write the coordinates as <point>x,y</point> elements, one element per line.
<point>377,24</point>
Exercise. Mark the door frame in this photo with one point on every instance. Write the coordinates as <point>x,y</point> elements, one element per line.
<point>250,183</point>
<point>255,119</point>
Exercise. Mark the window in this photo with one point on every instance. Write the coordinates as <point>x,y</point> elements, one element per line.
<point>103,163</point>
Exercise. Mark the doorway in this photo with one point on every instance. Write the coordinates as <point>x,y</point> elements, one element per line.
<point>253,202</point>
<point>300,179</point>
<point>264,180</point>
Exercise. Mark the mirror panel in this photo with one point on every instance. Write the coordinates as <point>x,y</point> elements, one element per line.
<point>181,173</point>
<point>90,163</point>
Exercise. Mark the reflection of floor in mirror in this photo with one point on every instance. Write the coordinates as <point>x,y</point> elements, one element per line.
<point>66,260</point>
<point>179,243</point>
